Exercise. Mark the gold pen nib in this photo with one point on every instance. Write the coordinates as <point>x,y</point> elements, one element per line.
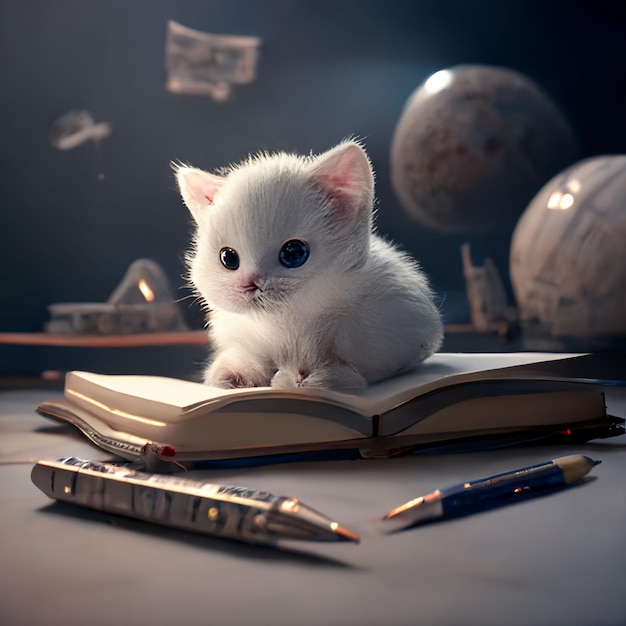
<point>417,510</point>
<point>404,507</point>
<point>292,519</point>
<point>344,534</point>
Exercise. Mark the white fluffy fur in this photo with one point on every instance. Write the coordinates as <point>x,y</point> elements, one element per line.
<point>356,312</point>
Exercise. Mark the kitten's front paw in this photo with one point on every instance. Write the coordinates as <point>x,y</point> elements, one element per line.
<point>233,374</point>
<point>288,379</point>
<point>228,379</point>
<point>329,377</point>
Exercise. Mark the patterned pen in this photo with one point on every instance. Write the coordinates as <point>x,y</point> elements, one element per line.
<point>219,510</point>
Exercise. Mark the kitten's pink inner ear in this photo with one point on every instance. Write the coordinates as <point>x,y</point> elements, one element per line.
<point>345,175</point>
<point>198,189</point>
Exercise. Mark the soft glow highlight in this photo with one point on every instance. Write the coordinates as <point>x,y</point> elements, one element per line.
<point>146,292</point>
<point>560,201</point>
<point>290,506</point>
<point>573,185</point>
<point>555,198</point>
<point>438,81</point>
<point>118,412</point>
<point>566,201</point>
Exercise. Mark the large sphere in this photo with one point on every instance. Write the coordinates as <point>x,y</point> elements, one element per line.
<point>568,253</point>
<point>473,145</point>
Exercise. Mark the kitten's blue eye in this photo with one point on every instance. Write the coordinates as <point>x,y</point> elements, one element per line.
<point>229,258</point>
<point>294,253</point>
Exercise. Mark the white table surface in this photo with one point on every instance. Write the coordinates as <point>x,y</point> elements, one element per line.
<point>558,559</point>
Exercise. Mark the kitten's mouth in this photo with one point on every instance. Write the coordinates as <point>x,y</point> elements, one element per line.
<point>249,291</point>
<point>265,296</point>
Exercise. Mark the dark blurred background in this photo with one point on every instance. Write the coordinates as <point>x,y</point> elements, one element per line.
<point>72,221</point>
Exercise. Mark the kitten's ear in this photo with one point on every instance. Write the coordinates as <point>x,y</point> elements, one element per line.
<point>198,188</point>
<point>345,175</point>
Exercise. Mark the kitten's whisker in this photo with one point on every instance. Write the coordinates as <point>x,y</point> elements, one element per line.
<point>187,297</point>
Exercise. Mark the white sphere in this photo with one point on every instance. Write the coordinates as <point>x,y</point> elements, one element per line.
<point>568,253</point>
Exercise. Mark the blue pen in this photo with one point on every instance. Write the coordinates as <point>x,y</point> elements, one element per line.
<point>486,493</point>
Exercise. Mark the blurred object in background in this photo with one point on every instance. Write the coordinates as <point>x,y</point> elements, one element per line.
<point>204,64</point>
<point>142,303</point>
<point>472,147</point>
<point>568,253</point>
<point>75,128</point>
<point>486,295</point>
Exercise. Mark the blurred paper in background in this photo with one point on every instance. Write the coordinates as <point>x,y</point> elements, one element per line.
<point>205,64</point>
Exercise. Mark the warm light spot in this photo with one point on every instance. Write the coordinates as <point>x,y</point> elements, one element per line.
<point>213,513</point>
<point>560,200</point>
<point>146,292</point>
<point>438,81</point>
<point>334,526</point>
<point>67,489</point>
<point>290,506</point>
<point>573,185</point>
<point>555,198</point>
<point>517,490</point>
<point>566,201</point>
<point>118,412</point>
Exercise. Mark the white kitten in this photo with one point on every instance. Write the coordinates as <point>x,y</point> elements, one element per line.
<point>301,292</point>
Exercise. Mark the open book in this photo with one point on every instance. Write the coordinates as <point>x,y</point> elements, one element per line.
<point>449,397</point>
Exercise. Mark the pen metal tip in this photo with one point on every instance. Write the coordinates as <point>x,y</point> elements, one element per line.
<point>343,534</point>
<point>404,507</point>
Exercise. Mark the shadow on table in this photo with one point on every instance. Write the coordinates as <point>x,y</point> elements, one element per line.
<point>258,552</point>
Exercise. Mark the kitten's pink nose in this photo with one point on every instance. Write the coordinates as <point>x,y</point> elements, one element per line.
<point>249,286</point>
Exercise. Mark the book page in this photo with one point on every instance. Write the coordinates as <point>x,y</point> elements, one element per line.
<point>447,369</point>
<point>180,395</point>
<point>173,399</point>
